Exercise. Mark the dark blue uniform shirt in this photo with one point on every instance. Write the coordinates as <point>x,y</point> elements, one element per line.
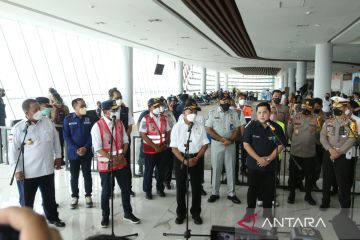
<point>262,141</point>
<point>77,134</point>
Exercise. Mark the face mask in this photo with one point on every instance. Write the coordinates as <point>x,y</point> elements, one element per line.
<point>156,111</point>
<point>242,102</point>
<point>317,111</point>
<point>231,108</point>
<point>327,98</point>
<point>347,112</point>
<point>162,109</point>
<point>116,114</point>
<point>337,112</point>
<point>191,117</point>
<point>118,102</point>
<point>38,116</point>
<point>225,106</point>
<point>45,111</point>
<point>305,111</point>
<point>276,100</point>
<point>82,111</point>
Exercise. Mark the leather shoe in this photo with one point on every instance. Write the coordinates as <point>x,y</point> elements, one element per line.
<point>161,193</point>
<point>179,220</point>
<point>149,195</point>
<point>310,200</point>
<point>291,198</point>
<point>57,223</point>
<point>213,198</point>
<point>132,193</point>
<point>234,199</point>
<point>197,220</point>
<point>203,193</point>
<point>324,206</point>
<point>104,222</point>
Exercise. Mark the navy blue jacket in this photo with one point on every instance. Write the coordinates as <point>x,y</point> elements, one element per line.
<point>77,134</point>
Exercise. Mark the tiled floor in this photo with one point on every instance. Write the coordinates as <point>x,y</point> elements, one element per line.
<point>158,215</point>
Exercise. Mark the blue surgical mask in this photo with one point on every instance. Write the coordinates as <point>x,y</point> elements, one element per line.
<point>45,112</point>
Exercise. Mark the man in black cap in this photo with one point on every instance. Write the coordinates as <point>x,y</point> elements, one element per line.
<point>101,140</point>
<point>223,126</point>
<point>155,131</point>
<point>197,147</point>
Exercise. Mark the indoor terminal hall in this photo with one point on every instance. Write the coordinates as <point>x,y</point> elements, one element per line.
<point>179,119</point>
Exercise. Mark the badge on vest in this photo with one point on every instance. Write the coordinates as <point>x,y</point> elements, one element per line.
<point>29,142</point>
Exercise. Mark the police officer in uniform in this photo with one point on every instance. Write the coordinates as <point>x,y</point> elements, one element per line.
<point>302,132</point>
<point>223,127</point>
<point>155,131</point>
<point>262,153</point>
<point>101,139</point>
<point>197,147</point>
<point>128,120</point>
<point>337,140</point>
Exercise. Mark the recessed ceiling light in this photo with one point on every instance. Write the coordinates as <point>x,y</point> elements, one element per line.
<point>144,39</point>
<point>317,25</point>
<point>155,20</point>
<point>203,48</point>
<point>302,25</point>
<point>92,6</point>
<point>185,37</point>
<point>308,12</point>
<point>100,23</point>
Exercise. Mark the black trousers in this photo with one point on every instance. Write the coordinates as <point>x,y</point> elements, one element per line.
<point>261,186</point>
<point>128,166</point>
<point>195,181</point>
<point>85,164</point>
<point>319,158</point>
<point>61,138</point>
<point>169,162</point>
<point>308,170</point>
<point>151,161</point>
<point>46,185</point>
<point>122,179</point>
<point>341,168</point>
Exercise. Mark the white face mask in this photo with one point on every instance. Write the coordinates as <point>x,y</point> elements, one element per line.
<point>191,117</point>
<point>82,111</point>
<point>116,114</point>
<point>162,109</point>
<point>242,102</point>
<point>118,102</point>
<point>156,111</point>
<point>38,116</point>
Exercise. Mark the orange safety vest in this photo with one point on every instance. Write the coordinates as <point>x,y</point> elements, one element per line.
<point>247,112</point>
<point>155,133</point>
<point>105,132</point>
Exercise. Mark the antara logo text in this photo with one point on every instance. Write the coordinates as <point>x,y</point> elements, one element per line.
<point>289,222</point>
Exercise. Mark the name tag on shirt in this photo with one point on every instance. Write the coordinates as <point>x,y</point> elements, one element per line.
<point>73,123</point>
<point>255,136</point>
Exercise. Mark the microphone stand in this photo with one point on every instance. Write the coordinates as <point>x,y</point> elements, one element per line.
<point>110,166</point>
<point>21,154</point>
<point>276,140</point>
<point>187,234</point>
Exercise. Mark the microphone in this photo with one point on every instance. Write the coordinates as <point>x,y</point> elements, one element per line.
<point>27,124</point>
<point>272,128</point>
<point>113,117</point>
<point>190,126</point>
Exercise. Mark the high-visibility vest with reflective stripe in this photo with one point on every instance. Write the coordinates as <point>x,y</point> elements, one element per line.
<point>155,133</point>
<point>118,145</point>
<point>282,125</point>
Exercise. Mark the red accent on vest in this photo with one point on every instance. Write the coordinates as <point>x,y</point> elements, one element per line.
<point>118,145</point>
<point>154,133</point>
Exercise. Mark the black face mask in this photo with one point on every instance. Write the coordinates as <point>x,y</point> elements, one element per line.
<point>3,94</point>
<point>337,112</point>
<point>327,98</point>
<point>225,106</point>
<point>276,100</point>
<point>316,111</point>
<point>305,111</point>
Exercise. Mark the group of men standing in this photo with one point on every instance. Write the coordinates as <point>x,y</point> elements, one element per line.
<point>164,129</point>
